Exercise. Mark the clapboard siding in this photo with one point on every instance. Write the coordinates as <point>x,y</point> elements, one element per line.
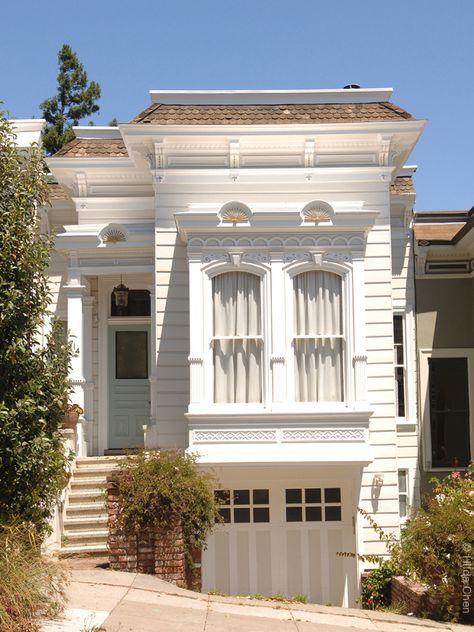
<point>172,339</point>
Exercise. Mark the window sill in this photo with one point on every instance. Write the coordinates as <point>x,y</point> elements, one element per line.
<point>286,413</point>
<point>405,425</point>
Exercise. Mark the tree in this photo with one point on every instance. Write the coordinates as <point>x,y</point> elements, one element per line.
<point>76,98</point>
<point>33,376</point>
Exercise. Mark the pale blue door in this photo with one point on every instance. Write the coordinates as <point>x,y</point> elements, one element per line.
<point>129,387</point>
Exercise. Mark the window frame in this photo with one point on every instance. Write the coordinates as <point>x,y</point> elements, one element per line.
<point>209,272</point>
<point>410,379</point>
<point>347,316</point>
<point>424,356</point>
<point>406,493</point>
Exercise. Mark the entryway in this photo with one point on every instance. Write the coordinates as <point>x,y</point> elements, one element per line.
<point>129,386</point>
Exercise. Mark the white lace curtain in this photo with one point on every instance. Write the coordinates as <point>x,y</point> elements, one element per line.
<point>237,338</point>
<point>318,336</point>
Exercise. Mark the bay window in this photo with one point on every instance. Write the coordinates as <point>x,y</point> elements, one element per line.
<point>237,338</point>
<point>318,336</point>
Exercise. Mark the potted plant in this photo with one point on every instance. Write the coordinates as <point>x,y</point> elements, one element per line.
<point>71,415</point>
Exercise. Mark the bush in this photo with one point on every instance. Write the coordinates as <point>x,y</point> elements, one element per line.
<point>375,592</point>
<point>30,586</point>
<point>155,488</point>
<point>33,377</point>
<point>437,541</point>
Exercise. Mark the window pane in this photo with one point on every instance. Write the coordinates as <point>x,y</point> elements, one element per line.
<point>402,481</point>
<point>261,514</point>
<point>293,496</point>
<point>131,355</point>
<point>225,513</point>
<point>402,504</point>
<point>400,391</point>
<point>138,304</point>
<point>260,497</point>
<point>317,311</point>
<point>312,495</point>
<point>398,329</point>
<point>294,514</point>
<point>242,515</point>
<point>449,411</point>
<point>313,514</point>
<point>332,514</point>
<point>237,363</point>
<point>332,495</point>
<point>241,497</point>
<point>222,496</point>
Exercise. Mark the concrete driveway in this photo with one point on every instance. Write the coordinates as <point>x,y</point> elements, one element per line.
<point>100,599</point>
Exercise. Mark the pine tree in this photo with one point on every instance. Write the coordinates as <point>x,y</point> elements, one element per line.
<point>76,98</point>
<point>33,376</point>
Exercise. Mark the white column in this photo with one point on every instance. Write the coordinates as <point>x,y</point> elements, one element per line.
<point>75,292</point>
<point>359,358</point>
<point>153,370</point>
<point>278,333</point>
<point>87,307</point>
<point>196,355</point>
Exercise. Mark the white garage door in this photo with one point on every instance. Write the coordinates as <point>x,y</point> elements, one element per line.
<point>283,539</point>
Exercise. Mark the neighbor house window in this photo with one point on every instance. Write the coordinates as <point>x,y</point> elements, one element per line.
<point>399,361</point>
<point>318,336</point>
<point>449,411</point>
<point>237,340</point>
<point>403,494</point>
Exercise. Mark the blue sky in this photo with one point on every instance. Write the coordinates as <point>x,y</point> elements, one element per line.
<point>421,48</point>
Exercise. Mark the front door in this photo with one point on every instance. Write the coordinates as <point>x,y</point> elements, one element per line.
<point>129,386</point>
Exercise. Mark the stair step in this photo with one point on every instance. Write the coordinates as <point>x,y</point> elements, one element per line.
<point>86,511</point>
<point>92,550</point>
<point>98,483</point>
<point>92,472</point>
<point>79,538</point>
<point>86,497</point>
<point>87,523</point>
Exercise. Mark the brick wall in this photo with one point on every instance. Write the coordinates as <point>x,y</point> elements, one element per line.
<point>408,596</point>
<point>152,550</point>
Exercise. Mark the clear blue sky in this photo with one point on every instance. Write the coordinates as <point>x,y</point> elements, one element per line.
<point>421,48</point>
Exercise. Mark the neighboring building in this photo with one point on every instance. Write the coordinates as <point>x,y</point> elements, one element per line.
<point>445,330</point>
<point>263,241</point>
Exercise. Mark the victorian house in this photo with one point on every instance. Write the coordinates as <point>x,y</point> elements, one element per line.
<point>235,271</point>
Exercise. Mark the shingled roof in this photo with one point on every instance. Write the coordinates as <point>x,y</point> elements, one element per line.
<point>403,185</point>
<point>56,192</point>
<point>93,148</point>
<point>442,227</point>
<point>168,114</point>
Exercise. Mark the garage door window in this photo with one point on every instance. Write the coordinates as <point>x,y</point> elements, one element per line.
<point>244,505</point>
<point>313,504</point>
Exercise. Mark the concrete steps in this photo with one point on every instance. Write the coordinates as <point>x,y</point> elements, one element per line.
<point>85,514</point>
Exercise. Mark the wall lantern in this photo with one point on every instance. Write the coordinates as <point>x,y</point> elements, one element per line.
<point>121,293</point>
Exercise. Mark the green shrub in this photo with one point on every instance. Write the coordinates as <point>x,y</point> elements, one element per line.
<point>438,540</point>
<point>30,586</point>
<point>375,592</point>
<point>155,488</point>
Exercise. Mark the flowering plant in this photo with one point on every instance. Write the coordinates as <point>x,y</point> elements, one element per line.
<point>73,408</point>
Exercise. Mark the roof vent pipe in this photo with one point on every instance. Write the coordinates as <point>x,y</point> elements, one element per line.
<point>352,86</point>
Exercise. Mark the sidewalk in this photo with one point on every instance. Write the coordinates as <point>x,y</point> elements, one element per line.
<point>127,602</point>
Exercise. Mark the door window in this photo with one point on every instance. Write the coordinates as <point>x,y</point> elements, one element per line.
<point>131,355</point>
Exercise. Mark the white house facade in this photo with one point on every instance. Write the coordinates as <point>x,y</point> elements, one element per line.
<point>263,242</point>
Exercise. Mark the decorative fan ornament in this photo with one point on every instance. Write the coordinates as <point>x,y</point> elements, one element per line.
<point>113,236</point>
<point>234,215</point>
<point>315,214</point>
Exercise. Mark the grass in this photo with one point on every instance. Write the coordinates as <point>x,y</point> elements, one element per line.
<point>30,586</point>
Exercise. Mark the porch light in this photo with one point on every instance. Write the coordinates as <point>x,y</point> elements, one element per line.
<point>121,293</point>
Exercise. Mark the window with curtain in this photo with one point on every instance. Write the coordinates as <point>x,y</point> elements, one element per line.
<point>318,336</point>
<point>237,339</point>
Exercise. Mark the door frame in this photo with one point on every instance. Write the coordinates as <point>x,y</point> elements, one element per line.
<point>105,287</point>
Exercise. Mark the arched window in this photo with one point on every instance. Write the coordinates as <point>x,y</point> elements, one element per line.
<point>237,338</point>
<point>318,336</point>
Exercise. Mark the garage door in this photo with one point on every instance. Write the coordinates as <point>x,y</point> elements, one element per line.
<point>283,539</point>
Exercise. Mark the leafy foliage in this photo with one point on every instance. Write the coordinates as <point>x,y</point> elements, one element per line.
<point>375,592</point>
<point>30,586</point>
<point>75,99</point>
<point>33,380</point>
<point>439,538</point>
<point>157,487</point>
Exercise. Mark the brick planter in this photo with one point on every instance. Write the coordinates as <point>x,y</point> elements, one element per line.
<point>409,596</point>
<point>152,550</point>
